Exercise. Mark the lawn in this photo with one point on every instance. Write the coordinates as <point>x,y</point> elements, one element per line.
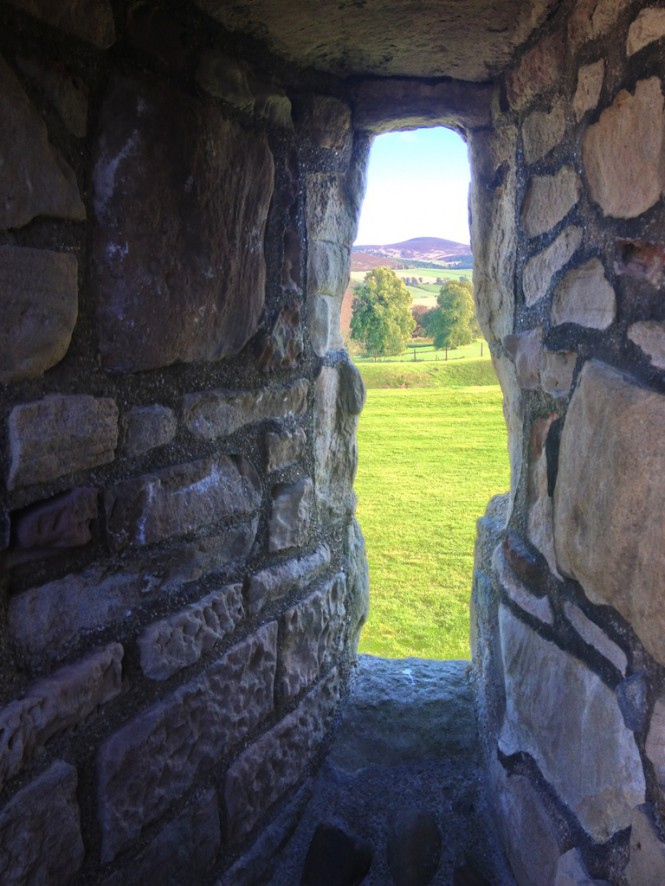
<point>433,451</point>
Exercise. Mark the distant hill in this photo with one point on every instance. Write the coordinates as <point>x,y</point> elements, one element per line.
<point>418,249</point>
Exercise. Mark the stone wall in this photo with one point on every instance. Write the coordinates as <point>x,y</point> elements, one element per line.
<point>183,582</point>
<point>568,611</point>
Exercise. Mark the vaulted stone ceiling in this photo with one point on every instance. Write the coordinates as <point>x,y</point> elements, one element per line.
<point>465,39</point>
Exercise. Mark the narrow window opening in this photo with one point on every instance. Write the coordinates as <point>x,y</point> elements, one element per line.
<point>432,438</point>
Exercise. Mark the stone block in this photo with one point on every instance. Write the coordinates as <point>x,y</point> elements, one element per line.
<point>64,90</point>
<point>623,152</point>
<point>542,131</point>
<point>589,85</point>
<point>40,830</point>
<point>273,584</point>
<point>526,349</point>
<point>585,297</point>
<point>34,179</point>
<point>181,499</point>
<point>646,863</point>
<point>357,583</point>
<point>90,20</point>
<point>310,637</point>
<point>61,522</point>
<point>218,413</point>
<point>39,307</point>
<point>632,695</point>
<point>571,871</point>
<point>323,323</point>
<point>156,757</point>
<point>648,27</point>
<point>649,336</point>
<point>332,215</point>
<point>328,122</point>
<point>538,607</point>
<point>655,743</point>
<point>285,449</point>
<point>541,268</point>
<point>184,289</point>
<point>538,71</point>
<point>147,427</point>
<point>556,374</point>
<point>328,269</point>
<point>291,515</point>
<point>284,346</point>
<point>595,636</point>
<point>608,498</point>
<point>59,435</point>
<point>181,639</point>
<point>590,19</point>
<point>568,720</point>
<point>46,621</point>
<point>540,508</point>
<point>224,77</point>
<point>641,259</point>
<point>55,703</point>
<point>276,761</point>
<point>549,199</point>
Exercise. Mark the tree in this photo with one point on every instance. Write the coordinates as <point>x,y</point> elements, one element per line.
<point>382,320</point>
<point>453,322</point>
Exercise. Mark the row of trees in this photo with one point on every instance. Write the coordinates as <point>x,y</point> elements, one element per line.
<point>382,321</point>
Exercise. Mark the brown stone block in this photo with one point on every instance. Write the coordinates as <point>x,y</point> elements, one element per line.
<point>147,427</point>
<point>538,71</point>
<point>549,199</point>
<point>62,522</point>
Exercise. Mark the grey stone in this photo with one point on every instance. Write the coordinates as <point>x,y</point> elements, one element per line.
<point>647,850</point>
<point>181,499</point>
<point>310,637</point>
<point>589,84</point>
<point>632,695</point>
<point>61,522</point>
<point>275,762</point>
<point>538,607</point>
<point>655,743</point>
<point>549,199</point>
<point>40,830</point>
<point>420,711</point>
<point>323,322</point>
<point>327,120</point>
<point>540,269</point>
<point>538,71</point>
<point>285,449</point>
<point>181,639</point>
<point>291,515</point>
<point>594,635</point>
<point>526,349</point>
<point>328,268</point>
<point>585,297</point>
<point>566,718</point>
<point>648,27</point>
<point>610,462</point>
<point>155,758</point>
<point>212,414</point>
<point>283,348</point>
<point>54,704</point>
<point>571,871</point>
<point>332,209</point>
<point>185,289</point>
<point>39,306</point>
<point>556,374</point>
<point>147,427</point>
<point>540,512</point>
<point>45,621</point>
<point>542,131</point>
<point>357,583</point>
<point>414,848</point>
<point>225,78</point>
<point>91,20</point>
<point>67,93</point>
<point>513,412</point>
<point>273,584</point>
<point>59,435</point>
<point>623,152</point>
<point>34,178</point>
<point>649,336</point>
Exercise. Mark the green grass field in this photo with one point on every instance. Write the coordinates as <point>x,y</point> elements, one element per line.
<point>433,451</point>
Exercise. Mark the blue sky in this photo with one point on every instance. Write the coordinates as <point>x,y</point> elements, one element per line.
<point>417,186</point>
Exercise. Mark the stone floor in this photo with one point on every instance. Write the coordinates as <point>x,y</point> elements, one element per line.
<point>400,799</point>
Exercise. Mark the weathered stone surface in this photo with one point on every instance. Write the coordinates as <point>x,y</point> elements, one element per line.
<point>212,414</point>
<point>526,349</point>
<point>556,374</point>
<point>181,639</point>
<point>524,562</point>
<point>549,199</point>
<point>413,848</point>
<point>284,346</point>
<point>571,871</point>
<point>225,78</point>
<point>59,435</point>
<point>34,178</point>
<point>323,319</point>
<point>332,209</point>
<point>538,71</point>
<point>54,704</point>
<point>40,830</point>
<point>61,522</point>
<point>334,850</point>
<point>538,607</point>
<point>310,637</point>
<point>67,93</point>
<point>539,499</point>
<point>291,515</point>
<point>46,620</point>
<point>542,131</point>
<point>183,851</point>
<point>91,20</point>
<point>38,306</point>
<point>633,697</point>
<point>589,84</point>
<point>594,635</point>
<point>284,449</point>
<point>585,297</point>
<point>540,269</point>
<point>276,761</point>
<point>567,719</point>
<point>641,259</point>
<point>338,400</point>
<point>623,152</point>
<point>608,498</point>
<point>529,834</point>
<point>328,267</point>
<point>181,499</point>
<point>156,757</point>
<point>357,583</point>
<point>147,427</point>
<point>421,711</point>
<point>592,18</point>
<point>649,336</point>
<point>647,850</point>
<point>184,289</point>
<point>655,744</point>
<point>328,121</point>
<point>273,584</point>
<point>647,27</point>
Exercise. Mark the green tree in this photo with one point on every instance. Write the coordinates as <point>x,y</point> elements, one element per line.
<point>382,321</point>
<point>453,322</point>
